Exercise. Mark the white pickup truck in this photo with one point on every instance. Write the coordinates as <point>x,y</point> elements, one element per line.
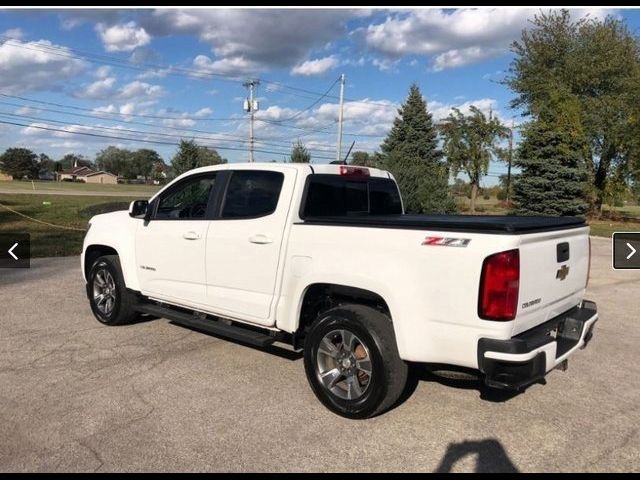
<point>322,257</point>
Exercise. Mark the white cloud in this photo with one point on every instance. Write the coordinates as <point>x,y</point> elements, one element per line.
<point>203,112</point>
<point>458,58</point>
<point>27,111</point>
<point>384,64</point>
<point>143,90</point>
<point>13,33</point>
<point>103,71</point>
<point>98,90</point>
<point>122,37</point>
<point>127,108</point>
<point>178,122</point>
<point>106,109</point>
<point>155,73</point>
<point>260,39</point>
<point>237,65</point>
<point>457,37</point>
<point>317,66</point>
<point>27,66</point>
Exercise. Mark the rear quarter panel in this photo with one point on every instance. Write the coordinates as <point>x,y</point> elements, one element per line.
<point>431,291</point>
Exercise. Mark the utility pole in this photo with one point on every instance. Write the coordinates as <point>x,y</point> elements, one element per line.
<point>340,114</point>
<point>509,160</point>
<point>251,106</point>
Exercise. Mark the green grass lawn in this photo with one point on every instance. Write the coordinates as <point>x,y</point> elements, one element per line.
<point>67,210</point>
<point>79,187</point>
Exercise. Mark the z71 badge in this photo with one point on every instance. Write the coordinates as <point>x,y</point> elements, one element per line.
<point>446,242</point>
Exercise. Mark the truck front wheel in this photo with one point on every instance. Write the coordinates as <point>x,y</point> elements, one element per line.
<point>110,301</point>
<point>352,363</point>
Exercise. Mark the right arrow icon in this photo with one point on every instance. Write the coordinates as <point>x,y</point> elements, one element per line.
<point>633,251</point>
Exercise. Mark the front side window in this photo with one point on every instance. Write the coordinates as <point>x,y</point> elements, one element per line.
<point>252,193</point>
<point>187,201</point>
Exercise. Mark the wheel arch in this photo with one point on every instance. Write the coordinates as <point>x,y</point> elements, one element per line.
<point>93,252</point>
<point>318,297</point>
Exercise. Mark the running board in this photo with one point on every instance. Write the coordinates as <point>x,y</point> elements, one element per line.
<point>209,325</point>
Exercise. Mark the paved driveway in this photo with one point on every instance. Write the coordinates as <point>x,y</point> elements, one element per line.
<point>75,395</point>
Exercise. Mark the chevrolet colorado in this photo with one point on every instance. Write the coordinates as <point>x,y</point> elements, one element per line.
<point>324,258</point>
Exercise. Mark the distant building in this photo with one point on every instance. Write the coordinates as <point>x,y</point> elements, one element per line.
<point>5,177</point>
<point>87,175</point>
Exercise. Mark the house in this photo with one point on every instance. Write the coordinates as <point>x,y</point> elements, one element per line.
<point>5,177</point>
<point>86,175</point>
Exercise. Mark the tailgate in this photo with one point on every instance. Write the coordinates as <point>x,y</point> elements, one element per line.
<point>553,275</point>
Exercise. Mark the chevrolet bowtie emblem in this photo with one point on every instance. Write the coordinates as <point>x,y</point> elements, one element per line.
<point>562,272</point>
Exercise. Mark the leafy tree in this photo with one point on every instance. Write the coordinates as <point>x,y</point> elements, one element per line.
<point>142,163</point>
<point>362,159</point>
<point>596,64</point>
<point>70,159</point>
<point>46,166</point>
<point>470,142</point>
<point>411,154</point>
<point>159,171</point>
<point>365,159</point>
<point>551,158</point>
<point>299,153</point>
<point>191,155</point>
<point>19,163</point>
<point>115,160</point>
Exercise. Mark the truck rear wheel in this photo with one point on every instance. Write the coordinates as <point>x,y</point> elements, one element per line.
<point>110,301</point>
<point>352,363</point>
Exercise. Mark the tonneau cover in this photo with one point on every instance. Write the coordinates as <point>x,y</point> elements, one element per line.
<point>505,224</point>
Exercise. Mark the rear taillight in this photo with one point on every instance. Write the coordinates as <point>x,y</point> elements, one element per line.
<point>354,171</point>
<point>499,286</point>
<point>589,267</point>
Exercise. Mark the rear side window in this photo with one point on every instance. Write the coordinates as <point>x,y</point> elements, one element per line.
<point>252,193</point>
<point>333,195</point>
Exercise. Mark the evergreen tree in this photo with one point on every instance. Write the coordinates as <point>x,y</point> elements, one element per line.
<point>411,154</point>
<point>299,153</point>
<point>551,157</point>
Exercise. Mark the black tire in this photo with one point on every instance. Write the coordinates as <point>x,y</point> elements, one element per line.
<point>388,373</point>
<point>122,310</point>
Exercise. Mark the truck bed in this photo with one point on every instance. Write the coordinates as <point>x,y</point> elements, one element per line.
<point>496,224</point>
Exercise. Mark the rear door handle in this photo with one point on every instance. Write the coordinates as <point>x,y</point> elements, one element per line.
<point>260,239</point>
<point>191,236</point>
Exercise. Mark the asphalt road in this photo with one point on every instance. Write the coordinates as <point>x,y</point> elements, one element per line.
<point>79,396</point>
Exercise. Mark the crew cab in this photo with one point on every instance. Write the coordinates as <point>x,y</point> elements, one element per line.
<point>323,257</point>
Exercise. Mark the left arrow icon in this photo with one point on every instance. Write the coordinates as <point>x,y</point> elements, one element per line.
<point>11,251</point>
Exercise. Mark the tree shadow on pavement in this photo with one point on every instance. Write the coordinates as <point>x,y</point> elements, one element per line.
<point>490,456</point>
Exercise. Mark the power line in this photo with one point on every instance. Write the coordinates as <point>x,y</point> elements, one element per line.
<point>147,132</point>
<point>96,115</point>
<point>293,117</point>
<point>116,137</point>
<point>136,115</point>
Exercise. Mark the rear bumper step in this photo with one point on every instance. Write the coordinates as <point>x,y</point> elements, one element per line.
<point>527,357</point>
<point>209,325</point>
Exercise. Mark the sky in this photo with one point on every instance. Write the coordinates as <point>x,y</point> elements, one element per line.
<point>76,81</point>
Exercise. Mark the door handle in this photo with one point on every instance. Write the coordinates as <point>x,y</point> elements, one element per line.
<point>191,236</point>
<point>260,239</point>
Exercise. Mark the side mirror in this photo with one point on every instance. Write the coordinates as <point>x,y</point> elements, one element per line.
<point>138,208</point>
